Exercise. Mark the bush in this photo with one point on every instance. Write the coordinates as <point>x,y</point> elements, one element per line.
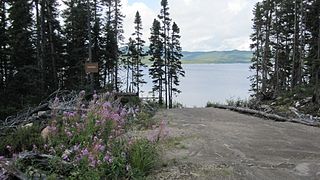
<point>142,157</point>
<point>24,138</point>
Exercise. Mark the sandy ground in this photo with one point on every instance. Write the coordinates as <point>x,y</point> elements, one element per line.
<point>208,143</point>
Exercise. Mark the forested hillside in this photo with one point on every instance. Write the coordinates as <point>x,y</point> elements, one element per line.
<point>234,56</point>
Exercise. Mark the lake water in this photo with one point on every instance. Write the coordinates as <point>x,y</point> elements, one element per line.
<point>210,82</point>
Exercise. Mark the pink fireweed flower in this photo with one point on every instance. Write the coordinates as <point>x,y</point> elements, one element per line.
<point>76,147</point>
<point>65,157</point>
<point>116,117</point>
<point>123,112</point>
<point>69,134</point>
<point>107,158</point>
<point>107,105</point>
<point>85,152</point>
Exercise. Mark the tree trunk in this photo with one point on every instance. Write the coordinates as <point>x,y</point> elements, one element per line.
<point>52,51</point>
<point>266,51</point>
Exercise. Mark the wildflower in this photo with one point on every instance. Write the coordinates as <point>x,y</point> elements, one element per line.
<point>92,160</point>
<point>9,147</point>
<point>65,157</point>
<point>107,158</point>
<point>69,134</point>
<point>85,152</point>
<point>76,147</point>
<point>1,158</point>
<point>106,105</point>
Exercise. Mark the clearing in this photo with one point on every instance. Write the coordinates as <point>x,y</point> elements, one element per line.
<point>208,143</point>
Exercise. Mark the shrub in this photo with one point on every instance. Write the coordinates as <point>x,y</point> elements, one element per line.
<point>142,157</point>
<point>24,138</point>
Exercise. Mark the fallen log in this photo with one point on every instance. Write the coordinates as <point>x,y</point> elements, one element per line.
<point>274,117</point>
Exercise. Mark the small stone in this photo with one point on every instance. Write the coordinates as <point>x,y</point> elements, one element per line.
<point>27,125</point>
<point>45,133</point>
<point>42,113</point>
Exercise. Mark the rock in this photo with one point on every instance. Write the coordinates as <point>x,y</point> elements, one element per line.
<point>42,114</point>
<point>27,125</point>
<point>45,133</point>
<point>297,104</point>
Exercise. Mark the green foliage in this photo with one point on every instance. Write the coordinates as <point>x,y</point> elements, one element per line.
<point>24,138</point>
<point>143,157</point>
<point>238,102</point>
<point>144,120</point>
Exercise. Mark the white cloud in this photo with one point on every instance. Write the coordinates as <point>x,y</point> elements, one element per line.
<point>205,24</point>
<point>235,6</point>
<point>147,16</point>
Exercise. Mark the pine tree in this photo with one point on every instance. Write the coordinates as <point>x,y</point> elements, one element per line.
<point>156,70</point>
<point>175,70</point>
<point>129,64</point>
<point>23,85</point>
<point>49,44</point>
<point>5,72</point>
<point>256,47</point>
<point>139,44</point>
<point>164,17</point>
<point>76,33</point>
<point>97,40</point>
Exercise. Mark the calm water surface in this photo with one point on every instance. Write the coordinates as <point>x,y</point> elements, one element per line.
<point>210,82</point>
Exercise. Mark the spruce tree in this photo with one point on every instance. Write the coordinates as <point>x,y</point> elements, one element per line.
<point>165,33</point>
<point>139,54</point>
<point>76,33</point>
<point>23,85</point>
<point>175,70</point>
<point>156,70</point>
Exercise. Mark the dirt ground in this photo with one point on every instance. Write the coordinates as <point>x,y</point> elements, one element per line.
<point>208,143</point>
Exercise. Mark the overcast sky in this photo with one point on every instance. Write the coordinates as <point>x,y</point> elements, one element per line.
<point>205,25</point>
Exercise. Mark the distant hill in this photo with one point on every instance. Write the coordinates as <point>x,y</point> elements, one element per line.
<point>212,57</point>
<point>234,56</point>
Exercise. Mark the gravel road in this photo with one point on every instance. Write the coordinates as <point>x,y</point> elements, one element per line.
<point>208,143</point>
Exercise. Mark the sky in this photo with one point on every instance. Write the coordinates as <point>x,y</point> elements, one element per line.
<point>206,25</point>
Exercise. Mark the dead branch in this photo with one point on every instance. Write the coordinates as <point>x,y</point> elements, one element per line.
<point>274,117</point>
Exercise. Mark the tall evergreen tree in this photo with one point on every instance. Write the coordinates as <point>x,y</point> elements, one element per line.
<point>156,70</point>
<point>175,70</point>
<point>139,44</point>
<point>23,85</point>
<point>76,33</point>
<point>165,19</point>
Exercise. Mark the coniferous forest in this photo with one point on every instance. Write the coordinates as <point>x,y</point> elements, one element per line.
<point>44,48</point>
<point>286,46</point>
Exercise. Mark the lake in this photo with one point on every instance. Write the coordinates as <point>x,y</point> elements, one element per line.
<point>210,82</point>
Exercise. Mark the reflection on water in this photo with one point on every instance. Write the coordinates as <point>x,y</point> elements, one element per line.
<point>210,82</point>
